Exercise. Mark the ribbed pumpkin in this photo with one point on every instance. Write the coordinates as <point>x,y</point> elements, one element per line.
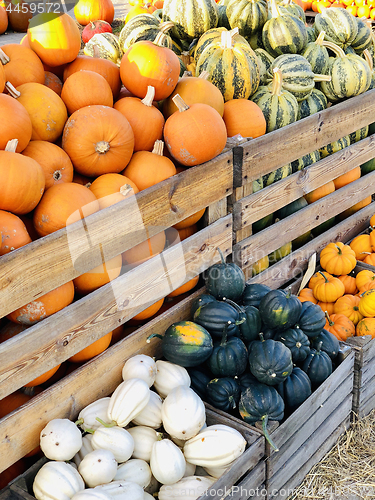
<point>21,179</point>
<point>338,258</point>
<point>329,289</point>
<point>14,122</point>
<point>61,205</point>
<point>53,82</point>
<point>244,117</point>
<point>112,188</point>
<point>279,107</point>
<point>317,277</point>
<point>335,146</point>
<point>265,61</point>
<point>359,134</point>
<point>196,134</point>
<point>13,233</point>
<point>21,64</point>
<point>55,39</point>
<point>99,276</point>
<point>145,250</point>
<point>98,140</point>
<point>146,121</point>
<point>317,55</point>
<point>339,25</point>
<point>143,26</point>
<point>306,295</point>
<point>314,103</point>
<point>366,327</point>
<point>233,67</point>
<point>46,109</point>
<point>308,159</point>
<point>340,326</point>
<point>347,178</point>
<point>75,91</point>
<point>365,280</point>
<point>348,305</point>
<point>249,16</point>
<point>320,192</point>
<point>363,40</point>
<point>214,35</point>
<point>104,45</point>
<point>349,284</point>
<point>192,18</point>
<point>367,303</point>
<point>89,10</point>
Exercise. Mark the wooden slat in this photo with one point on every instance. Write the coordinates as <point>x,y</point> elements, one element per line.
<point>43,265</point>
<point>366,407</point>
<point>257,246</point>
<point>275,149</point>
<point>55,339</point>
<point>240,193</point>
<point>252,208</point>
<point>294,265</point>
<point>252,487</point>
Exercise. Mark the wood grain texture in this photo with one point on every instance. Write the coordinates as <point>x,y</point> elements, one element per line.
<point>45,264</point>
<point>55,339</point>
<point>215,211</point>
<point>275,149</point>
<point>252,487</point>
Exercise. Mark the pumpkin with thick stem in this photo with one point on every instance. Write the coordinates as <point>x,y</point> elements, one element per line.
<point>329,289</point>
<point>13,233</point>
<point>112,188</point>
<point>340,326</point>
<point>317,54</point>
<point>348,305</point>
<point>316,277</point>
<point>21,64</point>
<point>338,258</point>
<point>339,25</point>
<point>86,11</point>
<point>15,122</point>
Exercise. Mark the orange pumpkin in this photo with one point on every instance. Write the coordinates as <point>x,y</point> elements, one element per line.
<point>366,327</point>
<point>99,276</point>
<point>12,402</point>
<point>189,221</point>
<point>19,15</point>
<point>10,330</point>
<point>372,240</point>
<point>89,10</point>
<point>189,285</point>
<point>15,122</point>
<point>361,245</point>
<point>135,11</point>
<point>320,192</point>
<point>53,82</point>
<point>44,306</point>
<point>245,118</point>
<point>370,259</point>
<point>372,221</point>
<point>21,64</point>
<point>340,326</point>
<point>112,188</point>
<point>367,303</point>
<point>327,306</point>
<point>55,163</point>
<point>75,92</point>
<point>186,232</point>
<point>148,312</point>
<point>306,294</point>
<point>62,205</point>
<point>317,277</point>
<point>99,140</point>
<point>145,250</point>
<point>82,179</point>
<point>92,350</point>
<point>56,39</point>
<point>348,305</point>
<point>338,258</point>
<point>364,279</point>
<point>329,289</point>
<point>3,20</point>
<point>355,208</point>
<point>349,284</point>
<point>44,377</point>
<point>145,119</point>
<point>13,232</point>
<point>347,178</point>
<point>196,134</point>
<point>21,179</point>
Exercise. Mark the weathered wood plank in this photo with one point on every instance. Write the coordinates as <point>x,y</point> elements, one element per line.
<point>43,265</point>
<point>264,154</point>
<point>257,246</point>
<point>240,193</point>
<point>366,407</point>
<point>252,486</point>
<point>252,208</point>
<point>58,337</point>
<point>368,372</point>
<point>215,211</point>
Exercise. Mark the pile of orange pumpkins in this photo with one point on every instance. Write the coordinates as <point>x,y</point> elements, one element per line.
<point>359,8</point>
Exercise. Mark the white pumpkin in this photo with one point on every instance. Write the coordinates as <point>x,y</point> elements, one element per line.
<point>91,494</point>
<point>85,449</point>
<point>189,469</point>
<point>169,376</point>
<point>183,413</point>
<point>87,417</point>
<point>217,471</point>
<point>140,366</point>
<point>167,462</point>
<point>116,439</point>
<point>122,490</point>
<point>216,446</point>
<point>60,439</point>
<point>144,438</point>
<point>188,488</point>
<point>57,481</point>
<point>147,496</point>
<point>134,470</point>
<point>151,413</point>
<point>181,442</point>
<point>128,400</point>
<point>98,467</point>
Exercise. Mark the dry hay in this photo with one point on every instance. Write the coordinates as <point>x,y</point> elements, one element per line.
<point>348,469</point>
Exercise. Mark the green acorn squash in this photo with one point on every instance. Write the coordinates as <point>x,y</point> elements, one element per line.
<point>330,343</point>
<point>225,280</point>
<point>262,223</point>
<point>250,322</point>
<point>253,294</point>
<point>298,343</point>
<point>249,16</point>
<point>270,361</point>
<point>229,357</point>
<point>215,316</point>
<point>199,378</point>
<point>223,393</point>
<point>205,298</point>
<point>311,320</point>
<point>339,25</point>
<point>318,366</point>
<point>295,389</point>
<point>246,380</point>
<point>280,309</point>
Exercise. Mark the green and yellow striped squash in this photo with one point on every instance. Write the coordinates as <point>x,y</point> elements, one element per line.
<point>144,27</point>
<point>279,107</point>
<point>314,103</point>
<point>283,33</point>
<point>223,21</point>
<point>249,16</point>
<point>192,18</point>
<point>232,67</point>
<point>363,40</point>
<point>305,161</point>
<point>108,47</point>
<point>277,175</point>
<point>292,8</point>
<point>350,74</point>
<point>280,253</point>
<point>368,58</point>
<point>348,50</point>
<point>317,55</point>
<point>214,36</point>
<point>256,40</point>
<point>358,135</point>
<point>311,35</point>
<point>335,146</point>
<point>265,61</point>
<point>339,25</point>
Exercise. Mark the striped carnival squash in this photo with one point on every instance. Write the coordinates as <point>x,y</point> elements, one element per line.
<point>311,35</point>
<point>143,27</point>
<point>350,74</point>
<point>214,36</point>
<point>339,25</point>
<point>305,160</point>
<point>256,40</point>
<point>108,47</point>
<point>317,54</point>
<point>314,103</point>
<point>284,33</point>
<point>277,175</point>
<point>249,16</point>
<point>292,8</point>
<point>232,67</point>
<point>298,77</point>
<point>335,146</point>
<point>223,21</point>
<point>358,135</point>
<point>370,61</point>
<point>363,40</point>
<point>279,106</point>
<point>192,18</point>
<point>265,61</point>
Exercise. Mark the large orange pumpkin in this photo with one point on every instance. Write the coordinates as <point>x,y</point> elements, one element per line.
<point>22,181</point>
<point>92,10</point>
<point>15,123</point>
<point>53,82</point>
<point>99,140</point>
<point>21,64</point>
<point>145,250</point>
<point>3,20</point>
<point>55,163</point>
<point>62,205</point>
<point>92,350</point>
<point>55,38</point>
<point>13,232</point>
<point>112,188</point>
<point>99,276</point>
<point>244,117</point>
<point>44,306</point>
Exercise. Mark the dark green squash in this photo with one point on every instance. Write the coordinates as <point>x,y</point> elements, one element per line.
<point>225,280</point>
<point>250,322</point>
<point>253,294</point>
<point>298,343</point>
<point>205,298</point>
<point>228,358</point>
<point>295,389</point>
<point>330,343</point>
<point>261,403</point>
<point>368,167</point>
<point>280,309</point>
<point>215,316</point>
<point>291,208</point>
<point>199,378</point>
<point>270,361</point>
<point>223,393</point>
<point>262,223</point>
<point>246,380</point>
<point>311,320</point>
<point>223,18</point>
<point>318,366</point>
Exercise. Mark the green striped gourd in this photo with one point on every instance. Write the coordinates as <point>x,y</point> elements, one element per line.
<point>358,135</point>
<point>314,103</point>
<point>350,74</point>
<point>256,40</point>
<point>277,175</point>
<point>143,27</point>
<point>367,56</point>
<point>371,48</point>
<point>279,107</point>
<point>339,25</point>
<point>283,33</point>
<point>363,40</point>
<point>233,67</point>
<point>265,61</point>
<point>107,47</point>
<point>293,8</point>
<point>311,35</point>
<point>317,55</point>
<point>249,16</point>
<point>298,77</point>
<point>335,146</point>
<point>305,161</point>
<point>213,36</point>
<point>223,21</point>
<point>192,18</point>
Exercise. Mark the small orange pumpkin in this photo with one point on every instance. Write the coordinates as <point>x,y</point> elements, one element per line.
<point>44,377</point>
<point>364,278</point>
<point>86,11</point>
<point>329,289</point>
<point>338,258</point>
<point>367,303</point>
<point>349,284</point>
<point>366,327</point>
<point>340,326</point>
<point>361,244</point>
<point>99,276</point>
<point>347,178</point>
<point>244,117</point>
<point>348,305</point>
<point>189,221</point>
<point>318,277</point>
<point>112,188</point>
<point>306,294</point>
<point>320,192</point>
<point>327,306</point>
<point>148,312</point>
<point>189,285</point>
<point>370,259</point>
<point>355,208</point>
<point>15,123</point>
<point>145,250</point>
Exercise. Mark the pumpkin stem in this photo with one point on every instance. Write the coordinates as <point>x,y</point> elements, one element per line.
<point>224,337</point>
<point>12,90</point>
<point>322,78</point>
<point>112,424</point>
<point>96,51</point>
<point>180,103</point>
<point>277,82</point>
<point>158,147</point>
<point>126,189</point>
<point>339,251</point>
<point>153,335</point>
<point>221,255</point>
<point>232,402</point>
<point>4,59</point>
<point>261,335</point>
<point>330,322</point>
<point>288,292</point>
<point>319,346</point>
<point>163,40</point>
<point>90,431</point>
<point>232,303</point>
<point>335,48</point>
<point>185,57</point>
<point>324,276</point>
<point>274,9</point>
<point>266,434</point>
<point>79,421</point>
<point>368,59</point>
<point>319,40</point>
<point>149,97</point>
<point>102,147</point>
<point>166,26</point>
<point>226,40</point>
<point>11,145</point>
<point>204,75</point>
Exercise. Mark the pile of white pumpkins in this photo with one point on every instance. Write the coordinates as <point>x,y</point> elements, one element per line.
<point>138,442</point>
